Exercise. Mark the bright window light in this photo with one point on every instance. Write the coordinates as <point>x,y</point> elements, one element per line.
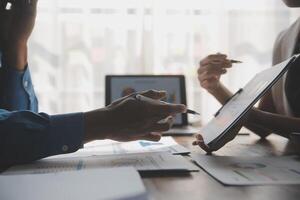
<point>76,43</point>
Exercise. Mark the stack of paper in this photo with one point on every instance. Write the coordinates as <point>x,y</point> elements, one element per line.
<point>97,184</point>
<point>251,170</point>
<point>143,162</point>
<point>110,147</point>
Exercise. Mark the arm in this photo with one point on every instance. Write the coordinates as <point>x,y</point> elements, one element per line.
<point>16,90</point>
<point>280,124</point>
<point>26,136</point>
<point>16,25</point>
<point>266,104</point>
<point>209,73</point>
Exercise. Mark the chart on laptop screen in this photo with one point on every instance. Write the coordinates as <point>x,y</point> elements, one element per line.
<point>121,86</point>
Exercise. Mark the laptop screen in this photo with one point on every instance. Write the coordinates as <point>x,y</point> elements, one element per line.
<point>120,86</point>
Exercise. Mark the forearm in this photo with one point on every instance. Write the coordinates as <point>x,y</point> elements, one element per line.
<point>29,136</point>
<point>276,123</point>
<point>15,56</point>
<point>258,129</point>
<point>221,93</point>
<point>97,125</point>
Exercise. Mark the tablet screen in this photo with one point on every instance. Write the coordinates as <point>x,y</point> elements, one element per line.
<point>242,102</point>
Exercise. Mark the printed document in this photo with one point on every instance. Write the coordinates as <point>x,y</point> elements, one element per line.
<point>143,162</point>
<point>95,184</point>
<point>110,147</point>
<point>251,170</point>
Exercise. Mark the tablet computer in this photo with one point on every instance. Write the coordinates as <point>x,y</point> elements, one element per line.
<point>217,131</point>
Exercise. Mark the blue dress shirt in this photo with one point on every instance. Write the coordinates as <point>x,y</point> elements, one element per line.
<point>26,135</point>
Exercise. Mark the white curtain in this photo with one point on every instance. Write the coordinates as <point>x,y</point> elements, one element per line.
<point>76,43</point>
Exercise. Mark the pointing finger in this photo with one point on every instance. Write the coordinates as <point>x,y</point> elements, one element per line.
<point>154,94</point>
<point>168,109</point>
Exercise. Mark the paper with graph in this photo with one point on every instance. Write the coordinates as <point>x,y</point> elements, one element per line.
<point>251,170</point>
<point>143,162</point>
<point>110,147</point>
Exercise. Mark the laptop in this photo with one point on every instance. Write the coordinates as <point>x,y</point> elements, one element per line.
<point>117,86</point>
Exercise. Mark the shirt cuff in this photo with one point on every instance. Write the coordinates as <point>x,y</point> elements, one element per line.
<point>66,133</point>
<point>18,93</point>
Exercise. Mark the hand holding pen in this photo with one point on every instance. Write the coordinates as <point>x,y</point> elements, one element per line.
<point>212,68</point>
<point>147,99</point>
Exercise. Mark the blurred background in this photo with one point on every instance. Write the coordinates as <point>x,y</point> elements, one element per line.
<point>76,43</point>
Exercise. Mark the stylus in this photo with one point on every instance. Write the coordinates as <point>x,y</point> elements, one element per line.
<point>143,98</point>
<point>236,61</point>
<point>192,112</point>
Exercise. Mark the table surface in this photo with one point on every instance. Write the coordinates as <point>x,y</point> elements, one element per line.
<point>199,185</point>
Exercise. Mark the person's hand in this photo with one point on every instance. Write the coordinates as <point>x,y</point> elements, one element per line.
<point>230,135</point>
<point>130,118</point>
<point>227,137</point>
<point>210,70</point>
<point>16,26</point>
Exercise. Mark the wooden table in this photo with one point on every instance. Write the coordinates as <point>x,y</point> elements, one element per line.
<point>200,185</point>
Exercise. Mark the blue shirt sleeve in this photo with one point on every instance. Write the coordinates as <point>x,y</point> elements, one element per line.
<point>16,89</point>
<point>27,136</point>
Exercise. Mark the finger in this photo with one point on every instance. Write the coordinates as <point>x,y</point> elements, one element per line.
<point>214,67</point>
<point>200,142</point>
<point>158,124</point>
<point>215,62</point>
<point>154,94</point>
<point>165,110</point>
<point>217,56</point>
<point>155,137</point>
<point>213,57</point>
<point>161,127</point>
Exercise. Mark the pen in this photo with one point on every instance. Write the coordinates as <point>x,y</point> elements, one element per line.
<point>192,112</point>
<point>143,98</point>
<point>236,61</point>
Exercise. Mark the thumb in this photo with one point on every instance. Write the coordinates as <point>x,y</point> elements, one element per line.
<point>154,94</point>
<point>155,137</point>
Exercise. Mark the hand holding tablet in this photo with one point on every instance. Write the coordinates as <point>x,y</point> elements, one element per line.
<point>231,117</point>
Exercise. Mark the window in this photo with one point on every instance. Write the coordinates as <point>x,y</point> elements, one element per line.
<point>76,43</point>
